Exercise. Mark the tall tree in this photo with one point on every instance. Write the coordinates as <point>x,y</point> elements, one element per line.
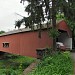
<point>54,21</point>
<point>40,11</point>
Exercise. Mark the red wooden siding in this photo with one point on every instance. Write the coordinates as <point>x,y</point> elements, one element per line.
<point>25,43</point>
<point>63,26</point>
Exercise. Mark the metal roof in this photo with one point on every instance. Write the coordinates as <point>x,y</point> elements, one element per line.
<point>25,30</point>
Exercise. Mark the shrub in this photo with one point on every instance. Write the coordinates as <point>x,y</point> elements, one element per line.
<point>58,64</point>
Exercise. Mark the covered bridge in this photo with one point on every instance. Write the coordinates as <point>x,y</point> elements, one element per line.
<point>25,42</point>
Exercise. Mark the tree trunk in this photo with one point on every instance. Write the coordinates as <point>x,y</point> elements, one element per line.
<point>54,21</point>
<point>73,41</point>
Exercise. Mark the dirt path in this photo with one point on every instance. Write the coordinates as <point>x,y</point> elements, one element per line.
<point>73,57</point>
<point>30,67</point>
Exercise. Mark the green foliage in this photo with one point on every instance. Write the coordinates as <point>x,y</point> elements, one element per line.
<point>18,23</point>
<point>14,64</point>
<point>63,8</point>
<point>59,16</point>
<point>39,11</point>
<point>49,52</point>
<point>58,64</point>
<point>39,15</point>
<point>54,33</point>
<point>9,72</point>
<point>70,23</point>
<point>1,32</point>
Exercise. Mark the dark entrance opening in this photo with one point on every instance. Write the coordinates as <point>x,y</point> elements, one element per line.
<point>2,53</point>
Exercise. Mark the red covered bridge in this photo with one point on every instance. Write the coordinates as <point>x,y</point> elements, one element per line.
<point>25,42</point>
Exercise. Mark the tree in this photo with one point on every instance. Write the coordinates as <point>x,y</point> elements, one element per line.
<point>54,21</point>
<point>40,11</point>
<point>1,32</point>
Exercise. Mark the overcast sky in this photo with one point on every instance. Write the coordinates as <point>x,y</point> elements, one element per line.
<point>8,8</point>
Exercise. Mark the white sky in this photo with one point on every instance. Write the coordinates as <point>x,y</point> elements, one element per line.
<point>7,13</point>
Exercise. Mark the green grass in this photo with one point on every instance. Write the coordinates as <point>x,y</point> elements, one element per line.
<point>14,64</point>
<point>58,64</point>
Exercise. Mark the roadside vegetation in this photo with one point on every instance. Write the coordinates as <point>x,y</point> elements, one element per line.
<point>14,64</point>
<point>57,64</point>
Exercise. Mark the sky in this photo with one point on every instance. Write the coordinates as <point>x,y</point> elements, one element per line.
<point>8,16</point>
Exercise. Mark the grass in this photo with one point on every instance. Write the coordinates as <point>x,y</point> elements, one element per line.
<point>14,64</point>
<point>58,64</point>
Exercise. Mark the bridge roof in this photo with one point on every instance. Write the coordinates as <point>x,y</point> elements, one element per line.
<point>29,29</point>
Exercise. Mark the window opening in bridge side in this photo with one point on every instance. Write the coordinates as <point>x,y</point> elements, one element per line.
<point>5,44</point>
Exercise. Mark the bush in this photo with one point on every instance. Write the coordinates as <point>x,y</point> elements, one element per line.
<point>58,64</point>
